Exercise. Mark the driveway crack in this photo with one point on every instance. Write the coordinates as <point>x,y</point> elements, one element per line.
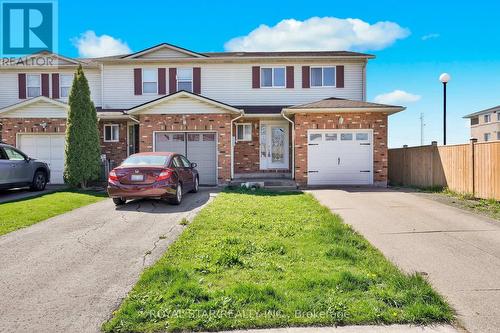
<point>155,244</point>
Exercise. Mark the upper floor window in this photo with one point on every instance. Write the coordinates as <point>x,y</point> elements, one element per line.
<point>487,118</point>
<point>487,136</point>
<point>185,79</point>
<point>474,121</point>
<point>111,133</point>
<point>150,80</point>
<point>33,85</point>
<point>498,116</point>
<point>272,77</point>
<point>65,82</point>
<point>322,76</point>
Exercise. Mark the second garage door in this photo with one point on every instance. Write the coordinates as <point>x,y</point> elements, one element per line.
<point>48,148</point>
<point>198,147</point>
<point>341,157</point>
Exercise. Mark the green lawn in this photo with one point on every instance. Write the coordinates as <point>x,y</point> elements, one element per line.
<point>23,213</point>
<point>257,259</point>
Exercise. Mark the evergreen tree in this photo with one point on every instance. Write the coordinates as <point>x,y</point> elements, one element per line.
<point>83,155</point>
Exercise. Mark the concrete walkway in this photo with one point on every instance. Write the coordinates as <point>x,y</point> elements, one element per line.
<point>457,250</point>
<point>68,274</point>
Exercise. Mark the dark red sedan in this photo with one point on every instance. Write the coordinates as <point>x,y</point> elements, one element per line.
<point>153,175</point>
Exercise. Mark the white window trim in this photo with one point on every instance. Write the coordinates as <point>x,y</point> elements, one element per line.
<point>111,125</point>
<point>177,79</point>
<point>28,86</point>
<point>322,77</point>
<point>61,86</point>
<point>272,78</point>
<point>245,139</point>
<point>489,118</point>
<point>142,78</point>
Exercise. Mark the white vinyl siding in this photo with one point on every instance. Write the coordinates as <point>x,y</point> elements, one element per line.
<point>9,93</point>
<point>37,110</point>
<point>33,85</point>
<point>232,84</point>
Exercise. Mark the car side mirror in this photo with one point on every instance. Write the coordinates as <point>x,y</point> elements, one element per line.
<point>27,159</point>
<point>194,165</point>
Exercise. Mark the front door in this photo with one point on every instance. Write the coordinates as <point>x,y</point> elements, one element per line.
<point>274,145</point>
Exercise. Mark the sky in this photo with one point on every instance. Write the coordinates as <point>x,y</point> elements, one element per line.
<point>414,42</point>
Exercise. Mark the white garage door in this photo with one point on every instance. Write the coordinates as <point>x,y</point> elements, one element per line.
<point>341,157</point>
<point>48,148</point>
<point>198,147</point>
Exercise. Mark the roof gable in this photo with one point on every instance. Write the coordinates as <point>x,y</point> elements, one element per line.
<point>38,107</point>
<point>54,58</point>
<point>164,51</point>
<point>183,102</point>
<point>334,104</point>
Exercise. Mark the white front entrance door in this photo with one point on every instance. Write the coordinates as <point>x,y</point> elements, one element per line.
<point>340,157</point>
<point>274,145</point>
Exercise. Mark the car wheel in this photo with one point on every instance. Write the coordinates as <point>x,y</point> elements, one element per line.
<point>178,196</point>
<point>196,186</point>
<point>39,181</point>
<point>119,201</point>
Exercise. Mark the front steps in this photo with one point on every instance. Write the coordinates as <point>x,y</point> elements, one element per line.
<point>275,184</point>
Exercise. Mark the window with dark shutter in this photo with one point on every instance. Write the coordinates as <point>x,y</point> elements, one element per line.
<point>137,81</point>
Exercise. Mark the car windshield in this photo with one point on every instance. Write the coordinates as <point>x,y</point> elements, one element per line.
<point>145,160</point>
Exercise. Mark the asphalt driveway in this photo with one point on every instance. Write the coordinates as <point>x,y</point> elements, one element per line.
<point>68,274</point>
<point>457,250</point>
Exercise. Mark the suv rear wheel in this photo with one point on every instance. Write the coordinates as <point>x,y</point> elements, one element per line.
<point>39,181</point>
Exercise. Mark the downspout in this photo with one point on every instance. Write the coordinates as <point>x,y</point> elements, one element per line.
<point>102,85</point>
<point>232,142</point>
<point>293,142</point>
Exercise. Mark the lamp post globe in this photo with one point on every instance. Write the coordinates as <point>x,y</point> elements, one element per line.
<point>444,78</point>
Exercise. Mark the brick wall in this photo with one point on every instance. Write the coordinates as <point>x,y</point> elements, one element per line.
<point>221,123</point>
<point>115,151</point>
<point>246,153</point>
<point>11,126</point>
<point>369,120</point>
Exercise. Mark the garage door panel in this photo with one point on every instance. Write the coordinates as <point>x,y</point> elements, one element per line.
<point>340,157</point>
<point>198,147</point>
<point>46,148</point>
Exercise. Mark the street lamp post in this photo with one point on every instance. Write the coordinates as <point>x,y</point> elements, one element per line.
<point>444,78</point>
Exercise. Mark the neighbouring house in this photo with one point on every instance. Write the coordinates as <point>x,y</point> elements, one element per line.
<point>300,115</point>
<point>485,124</point>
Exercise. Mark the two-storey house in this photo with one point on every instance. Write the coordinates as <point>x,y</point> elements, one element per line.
<point>302,115</point>
<point>485,124</point>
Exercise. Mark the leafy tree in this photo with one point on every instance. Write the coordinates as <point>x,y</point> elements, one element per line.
<point>83,161</point>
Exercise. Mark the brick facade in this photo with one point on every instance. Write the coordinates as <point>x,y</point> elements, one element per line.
<point>12,126</point>
<point>368,120</point>
<point>116,152</point>
<point>220,123</point>
<point>246,153</point>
